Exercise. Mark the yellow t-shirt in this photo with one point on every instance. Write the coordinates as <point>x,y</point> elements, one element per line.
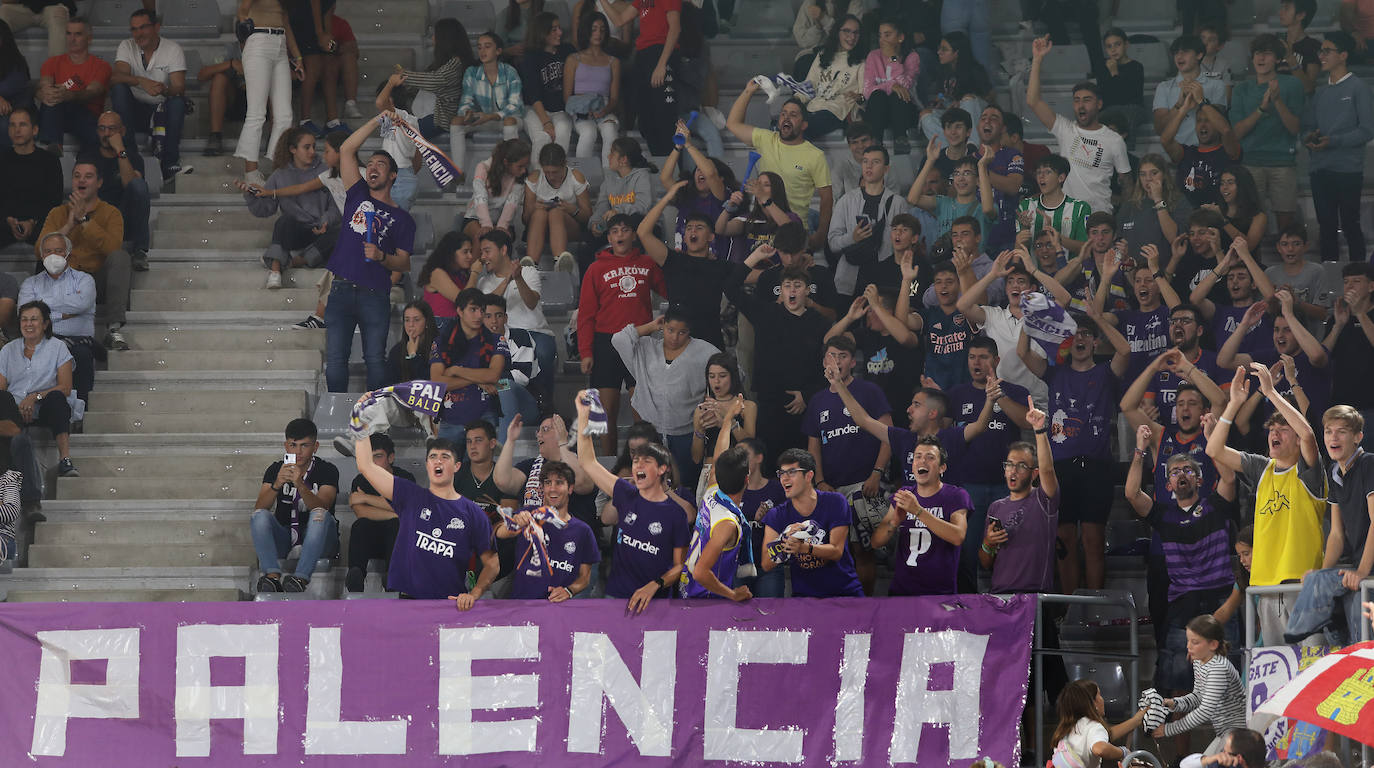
<point>1288,522</point>
<point>802,167</point>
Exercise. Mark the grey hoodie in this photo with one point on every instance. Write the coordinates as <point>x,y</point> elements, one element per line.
<point>1343,113</point>
<point>623,194</point>
<point>312,208</point>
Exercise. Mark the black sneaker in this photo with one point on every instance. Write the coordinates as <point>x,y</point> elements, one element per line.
<point>65,468</point>
<point>214,145</point>
<point>294,583</point>
<point>269,583</point>
<point>310,323</point>
<point>139,260</point>
<point>353,581</point>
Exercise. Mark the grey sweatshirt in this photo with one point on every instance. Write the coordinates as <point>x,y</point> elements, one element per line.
<point>666,393</point>
<point>1344,113</point>
<point>311,208</point>
<point>623,194</point>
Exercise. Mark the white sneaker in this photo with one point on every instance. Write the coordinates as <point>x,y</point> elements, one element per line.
<point>255,177</point>
<point>714,116</point>
<point>526,261</point>
<point>274,280</point>
<point>351,110</point>
<point>565,262</point>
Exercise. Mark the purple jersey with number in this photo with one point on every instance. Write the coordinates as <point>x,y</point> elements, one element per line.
<point>435,541</point>
<point>812,576</point>
<point>648,533</point>
<point>927,564</point>
<point>569,547</point>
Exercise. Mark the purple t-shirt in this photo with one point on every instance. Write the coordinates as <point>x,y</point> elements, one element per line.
<point>927,564</point>
<point>393,230</point>
<point>1258,341</point>
<point>848,453</point>
<point>812,576</point>
<point>903,443</point>
<point>765,498</point>
<point>983,461</point>
<point>1082,408</point>
<point>1026,562</point>
<point>1196,543</point>
<point>569,547</point>
<point>1316,384</point>
<point>1005,161</point>
<point>463,405</point>
<point>1148,335</point>
<point>1164,389</point>
<point>436,540</point>
<point>648,533</point>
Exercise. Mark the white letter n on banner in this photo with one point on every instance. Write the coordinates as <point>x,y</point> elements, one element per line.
<point>59,699</point>
<point>917,705</point>
<point>325,732</point>
<point>729,650</point>
<point>646,709</point>
<point>198,702</point>
<point>460,691</point>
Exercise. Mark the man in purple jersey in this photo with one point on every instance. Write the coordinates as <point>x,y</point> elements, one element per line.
<point>440,530</point>
<point>1146,327</point>
<point>930,519</point>
<point>821,567</point>
<point>1311,362</point>
<point>1246,285</point>
<point>1187,361</point>
<point>563,570</point>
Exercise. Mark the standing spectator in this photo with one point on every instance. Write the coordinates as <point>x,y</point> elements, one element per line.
<point>974,21</point>
<point>1304,51</point>
<point>14,80</point>
<point>1198,366</point>
<point>972,198</point>
<point>946,332</point>
<point>312,24</point>
<point>295,506</point>
<point>1155,210</point>
<point>1018,541</point>
<point>956,125</point>
<point>1215,64</point>
<point>1144,323</point>
<point>498,190</point>
<point>471,359</point>
<point>1357,21</point>
<point>1303,361</point>
<point>928,518</point>
<point>228,95</point>
<point>444,78</point>
<point>1265,116</point>
<point>615,292</point>
<point>308,223</point>
<point>377,237</point>
<point>861,230</point>
<point>341,66</point>
<point>789,245</point>
<point>891,351</point>
<point>96,231</point>
<point>960,81</point>
<point>1187,52</point>
<point>1350,338</point>
<point>1199,167</point>
<point>1240,208</point>
<point>1243,279</point>
<point>719,531</point>
<point>1300,277</point>
<point>1093,149</point>
<point>846,167</point>
<point>591,89</point>
<point>122,185</point>
<point>1006,171</point>
<point>656,65</point>
<point>569,541</point>
<point>49,14</point>
<point>821,565</point>
<point>815,24</point>
<point>755,220</point>
<point>1085,273</point>
<point>372,536</point>
<point>696,278</point>
<point>837,74</point>
<point>1053,208</point>
<point>542,78</point>
<point>148,89</point>
<point>710,184</point>
<point>270,60</point>
<point>520,286</point>
<point>889,86</point>
<point>800,163</point>
<point>33,180</point>
<point>625,188</point>
<point>491,99</point>
<point>1338,124</point>
<point>1031,153</point>
<point>722,385</point>
<point>71,91</point>
<point>1123,87</point>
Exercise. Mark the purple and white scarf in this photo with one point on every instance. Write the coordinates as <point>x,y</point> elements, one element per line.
<point>378,410</point>
<point>440,166</point>
<point>596,420</point>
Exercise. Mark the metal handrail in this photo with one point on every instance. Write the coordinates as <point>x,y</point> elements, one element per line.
<point>1141,754</point>
<point>1039,652</point>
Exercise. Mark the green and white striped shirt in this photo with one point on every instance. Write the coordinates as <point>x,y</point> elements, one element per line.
<point>1070,217</point>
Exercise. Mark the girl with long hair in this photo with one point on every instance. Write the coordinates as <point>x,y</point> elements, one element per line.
<point>409,359</point>
<point>722,384</point>
<point>498,189</point>
<point>1082,733</point>
<point>1154,212</point>
<point>443,78</point>
<point>557,206</point>
<point>753,220</point>
<point>960,82</point>
<point>837,73</point>
<point>889,85</point>
<point>817,19</point>
<point>543,82</point>
<point>1240,207</point>
<point>515,23</point>
<point>591,88</point>
<point>626,189</point>
<point>451,267</point>
<point>712,181</point>
<point>308,222</point>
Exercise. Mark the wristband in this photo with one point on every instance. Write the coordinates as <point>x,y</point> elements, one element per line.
<point>984,547</point>
<point>659,581</point>
<point>1224,420</point>
<point>699,435</point>
<point>877,471</point>
<point>1043,431</point>
<point>1142,453</point>
<point>731,206</point>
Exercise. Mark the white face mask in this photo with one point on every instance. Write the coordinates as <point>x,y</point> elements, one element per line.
<point>54,263</point>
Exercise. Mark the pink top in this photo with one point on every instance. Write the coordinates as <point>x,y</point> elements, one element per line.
<point>479,207</point>
<point>880,72</point>
<point>439,303</point>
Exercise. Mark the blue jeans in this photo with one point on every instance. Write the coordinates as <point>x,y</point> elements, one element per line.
<point>981,495</point>
<point>353,306</point>
<point>546,355</point>
<point>403,189</point>
<point>1322,596</point>
<point>25,459</point>
<point>67,117</point>
<point>769,583</point>
<point>134,206</point>
<point>515,400</point>
<point>272,540</point>
<point>680,446</point>
<point>710,136</point>
<point>970,17</point>
<point>137,116</point>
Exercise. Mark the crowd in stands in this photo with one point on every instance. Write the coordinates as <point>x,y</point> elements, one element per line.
<point>860,384</point>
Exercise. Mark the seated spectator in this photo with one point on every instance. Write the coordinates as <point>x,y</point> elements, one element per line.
<point>296,507</point>
<point>1198,167</point>
<point>889,84</point>
<point>541,72</point>
<point>1240,208</point>
<point>429,566</point>
<point>11,481</point>
<point>519,285</point>
<point>1082,735</point>
<point>1300,277</point>
<point>71,91</point>
<point>957,126</point>
<point>753,221</point>
<point>515,23</point>
<point>70,293</point>
<point>96,230</point>
<point>123,186</point>
<point>1018,542</point>
<point>820,566</point>
<point>653,533</point>
<point>722,385</point>
<point>861,231</point>
<point>569,543</point>
<point>52,15</point>
<point>620,34</point>
<point>409,359</point>
<point>36,370</point>
<point>148,90</point>
<point>606,304</point>
<point>1053,207</point>
<point>837,74</point>
<point>1246,285</point>
<point>470,360</point>
<point>513,390</point>
<point>373,535</point>
<point>557,205</point>
<point>1266,115</point>
<point>1123,87</point>
<point>669,376</point>
<point>972,190</point>
<point>1155,210</point>
<point>451,267</point>
<point>228,95</point>
<point>815,24</point>
<point>710,184</point>
<point>960,80</point>
<point>498,190</point>
<point>1187,52</point>
<point>14,81</point>
<point>491,99</point>
<point>34,180</point>
<point>626,187</point>
<point>395,99</point>
<point>444,78</point>
<point>591,88</point>
<point>308,223</point>
<point>720,532</point>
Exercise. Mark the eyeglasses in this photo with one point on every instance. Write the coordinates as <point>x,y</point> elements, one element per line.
<point>1182,321</point>
<point>1183,472</point>
<point>1323,51</point>
<point>793,471</point>
<point>1019,466</point>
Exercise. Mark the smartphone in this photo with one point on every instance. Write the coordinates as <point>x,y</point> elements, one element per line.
<point>290,458</point>
<point>995,523</point>
<point>863,220</point>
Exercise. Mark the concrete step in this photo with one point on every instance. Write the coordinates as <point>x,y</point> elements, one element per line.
<point>242,402</point>
<point>156,423</point>
<point>96,489</point>
<point>155,380</point>
<point>178,360</point>
<point>224,339</point>
<point>368,17</point>
<point>125,596</point>
<point>150,555</point>
<point>231,238</point>
<point>301,300</point>
<point>164,532</point>
<point>171,464</point>
<point>192,219</point>
<point>245,277</point>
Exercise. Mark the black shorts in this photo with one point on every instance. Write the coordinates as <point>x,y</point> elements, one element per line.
<point>608,370</point>
<point>1087,488</point>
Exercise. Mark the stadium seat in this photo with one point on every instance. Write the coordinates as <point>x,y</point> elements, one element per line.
<point>189,18</point>
<point>476,15</point>
<point>558,292</point>
<point>1111,680</point>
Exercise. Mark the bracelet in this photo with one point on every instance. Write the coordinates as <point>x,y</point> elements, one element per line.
<point>1296,386</point>
<point>1224,420</point>
<point>877,471</point>
<point>984,547</point>
<point>1142,453</point>
<point>1216,274</point>
<point>1042,431</point>
<point>699,435</point>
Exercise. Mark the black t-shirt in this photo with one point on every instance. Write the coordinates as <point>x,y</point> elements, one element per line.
<point>360,482</point>
<point>1191,269</point>
<point>1307,50</point>
<point>111,185</point>
<point>1353,358</point>
<point>1126,88</point>
<point>945,166</point>
<point>822,285</point>
<point>33,184</point>
<point>319,474</point>
<point>1198,174</point>
<point>896,369</point>
<point>1351,491</point>
<point>695,287</point>
<point>487,496</point>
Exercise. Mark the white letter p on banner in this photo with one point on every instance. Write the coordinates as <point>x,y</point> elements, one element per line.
<point>60,699</point>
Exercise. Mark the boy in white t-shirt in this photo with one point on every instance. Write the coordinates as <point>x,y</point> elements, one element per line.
<point>396,143</point>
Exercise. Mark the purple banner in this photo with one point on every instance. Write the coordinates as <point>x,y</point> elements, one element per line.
<point>925,681</point>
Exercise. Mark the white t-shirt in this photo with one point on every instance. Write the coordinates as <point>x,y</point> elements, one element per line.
<point>1005,329</point>
<point>1081,739</point>
<point>1093,156</point>
<point>517,314</point>
<point>397,144</point>
<point>336,189</point>
<point>168,58</point>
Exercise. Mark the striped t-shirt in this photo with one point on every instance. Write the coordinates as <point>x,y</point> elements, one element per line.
<point>1070,217</point>
<point>1196,543</point>
<point>1217,699</point>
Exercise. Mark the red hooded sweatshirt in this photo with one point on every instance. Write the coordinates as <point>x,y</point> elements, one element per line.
<point>615,291</point>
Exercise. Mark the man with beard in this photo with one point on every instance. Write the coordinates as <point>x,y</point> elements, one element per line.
<point>377,238</point>
<point>123,186</point>
<point>1018,542</point>
<point>1185,362</point>
<point>929,518</point>
<point>1199,166</point>
<point>1146,327</point>
<point>1291,339</point>
<point>1006,171</point>
<point>820,565</point>
<point>1244,278</point>
<point>800,163</point>
<point>1094,149</point>
<point>570,552</point>
<point>695,277</point>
